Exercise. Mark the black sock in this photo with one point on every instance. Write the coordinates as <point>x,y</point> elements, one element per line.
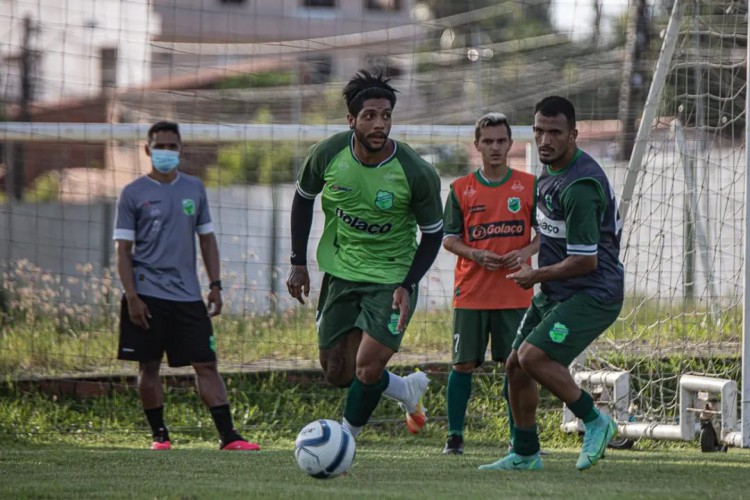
<point>155,417</point>
<point>526,442</point>
<point>223,420</point>
<point>584,408</point>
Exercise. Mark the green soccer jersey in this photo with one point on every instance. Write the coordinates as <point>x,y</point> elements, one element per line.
<point>371,212</point>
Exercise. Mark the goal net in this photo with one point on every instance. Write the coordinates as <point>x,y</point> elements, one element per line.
<point>683,193</point>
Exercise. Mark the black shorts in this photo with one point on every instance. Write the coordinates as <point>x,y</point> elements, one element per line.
<point>182,329</point>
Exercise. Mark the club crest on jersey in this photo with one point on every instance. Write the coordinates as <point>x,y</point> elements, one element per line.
<point>393,325</point>
<point>514,204</point>
<point>548,202</point>
<point>384,200</point>
<point>188,206</point>
<point>517,186</point>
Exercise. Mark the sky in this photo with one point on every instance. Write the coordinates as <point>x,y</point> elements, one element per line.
<point>577,16</point>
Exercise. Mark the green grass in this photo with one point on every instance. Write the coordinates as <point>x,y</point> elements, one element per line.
<point>403,468</point>
<point>42,332</point>
<point>54,445</point>
<point>48,345</point>
<point>270,406</point>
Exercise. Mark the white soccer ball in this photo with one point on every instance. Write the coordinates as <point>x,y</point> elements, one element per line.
<point>324,449</point>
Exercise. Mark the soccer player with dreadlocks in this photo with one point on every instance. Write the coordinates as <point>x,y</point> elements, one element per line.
<point>375,192</point>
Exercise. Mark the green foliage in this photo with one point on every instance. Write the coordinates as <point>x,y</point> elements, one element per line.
<point>46,188</point>
<point>256,162</point>
<point>258,80</point>
<point>448,160</point>
<point>35,304</point>
<point>43,334</point>
<point>266,406</point>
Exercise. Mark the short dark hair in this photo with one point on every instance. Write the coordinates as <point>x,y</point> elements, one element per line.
<point>554,105</point>
<point>492,119</point>
<point>164,127</point>
<point>363,86</point>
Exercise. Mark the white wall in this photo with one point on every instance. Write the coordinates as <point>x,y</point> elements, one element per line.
<point>69,36</point>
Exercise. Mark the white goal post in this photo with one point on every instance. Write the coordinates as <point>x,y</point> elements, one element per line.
<point>697,402</point>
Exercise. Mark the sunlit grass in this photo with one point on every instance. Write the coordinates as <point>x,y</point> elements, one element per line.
<point>44,331</point>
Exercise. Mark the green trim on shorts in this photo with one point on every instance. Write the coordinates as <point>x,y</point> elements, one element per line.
<point>474,329</point>
<point>563,330</point>
<point>345,305</point>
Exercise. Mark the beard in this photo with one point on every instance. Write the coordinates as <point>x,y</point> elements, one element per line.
<point>550,158</point>
<point>362,139</point>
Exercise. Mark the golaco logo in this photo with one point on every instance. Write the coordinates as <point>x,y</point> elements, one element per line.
<point>496,230</point>
<point>361,225</point>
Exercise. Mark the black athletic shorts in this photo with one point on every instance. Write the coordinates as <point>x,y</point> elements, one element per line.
<point>182,329</point>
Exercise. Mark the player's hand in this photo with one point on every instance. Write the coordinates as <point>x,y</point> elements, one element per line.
<point>138,312</point>
<point>525,276</point>
<point>511,259</point>
<point>298,283</point>
<point>489,260</point>
<point>401,302</point>
<point>215,302</point>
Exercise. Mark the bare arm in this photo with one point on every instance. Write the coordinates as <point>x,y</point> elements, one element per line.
<point>485,258</point>
<point>125,267</point>
<point>210,254</point>
<point>514,258</point>
<point>137,309</point>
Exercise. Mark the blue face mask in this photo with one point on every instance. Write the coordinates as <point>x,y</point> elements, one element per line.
<point>165,160</point>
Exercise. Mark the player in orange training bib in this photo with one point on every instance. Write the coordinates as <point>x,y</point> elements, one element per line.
<point>488,223</point>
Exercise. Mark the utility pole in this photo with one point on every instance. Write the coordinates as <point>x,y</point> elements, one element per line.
<point>633,79</point>
<point>597,33</point>
<point>26,59</point>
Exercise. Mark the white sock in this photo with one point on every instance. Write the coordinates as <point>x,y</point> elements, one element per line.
<point>353,429</point>
<point>396,387</point>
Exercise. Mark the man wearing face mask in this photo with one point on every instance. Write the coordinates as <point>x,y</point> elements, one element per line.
<point>158,216</point>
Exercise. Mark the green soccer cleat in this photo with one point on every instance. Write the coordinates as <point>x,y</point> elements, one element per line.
<point>598,434</point>
<point>513,461</point>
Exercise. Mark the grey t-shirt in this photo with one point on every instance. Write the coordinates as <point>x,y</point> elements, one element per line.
<point>161,220</point>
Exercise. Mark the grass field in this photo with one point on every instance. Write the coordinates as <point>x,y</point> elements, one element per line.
<point>407,467</point>
<point>57,445</point>
<point>62,446</point>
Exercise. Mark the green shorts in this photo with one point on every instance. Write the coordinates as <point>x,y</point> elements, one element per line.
<point>474,328</point>
<point>345,305</point>
<point>564,329</point>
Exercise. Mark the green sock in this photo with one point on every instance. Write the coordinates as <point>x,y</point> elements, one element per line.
<point>526,442</point>
<point>362,399</point>
<point>511,423</point>
<point>584,408</point>
<point>457,395</point>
